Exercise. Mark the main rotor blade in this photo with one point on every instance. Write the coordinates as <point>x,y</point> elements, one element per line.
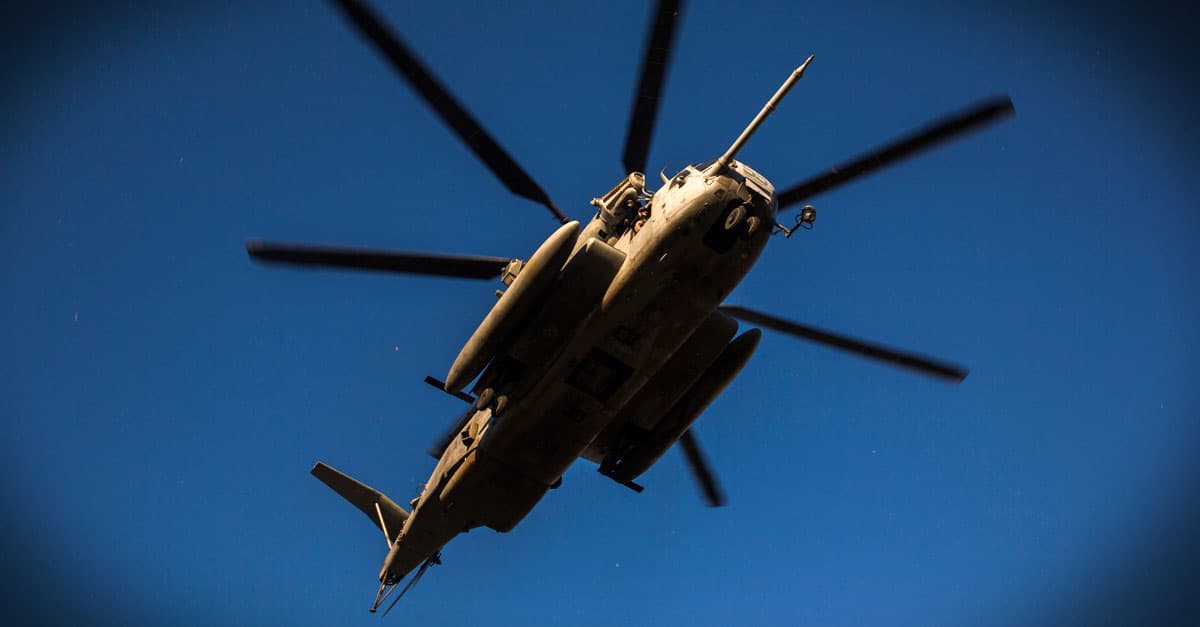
<point>949,127</point>
<point>700,469</point>
<point>654,70</point>
<point>924,365</point>
<point>440,100</point>
<point>461,266</point>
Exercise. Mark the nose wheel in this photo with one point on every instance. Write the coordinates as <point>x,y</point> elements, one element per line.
<point>736,217</point>
<point>739,220</point>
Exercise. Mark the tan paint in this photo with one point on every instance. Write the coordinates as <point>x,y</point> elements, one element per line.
<point>512,307</point>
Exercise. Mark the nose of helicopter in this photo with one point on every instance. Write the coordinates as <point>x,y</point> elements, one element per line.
<point>715,199</point>
<point>720,212</point>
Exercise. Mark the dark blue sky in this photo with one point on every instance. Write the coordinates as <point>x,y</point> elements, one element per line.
<point>164,398</point>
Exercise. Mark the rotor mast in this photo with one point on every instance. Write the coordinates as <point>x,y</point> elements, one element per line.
<point>723,160</point>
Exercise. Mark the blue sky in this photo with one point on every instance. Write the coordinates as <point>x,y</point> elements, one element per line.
<point>164,398</point>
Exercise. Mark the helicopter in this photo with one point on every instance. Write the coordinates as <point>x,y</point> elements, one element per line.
<point>613,337</point>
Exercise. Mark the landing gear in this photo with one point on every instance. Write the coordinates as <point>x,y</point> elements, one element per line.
<point>489,398</point>
<point>636,487</point>
<point>740,220</point>
<point>485,398</point>
<point>628,440</point>
<point>735,218</point>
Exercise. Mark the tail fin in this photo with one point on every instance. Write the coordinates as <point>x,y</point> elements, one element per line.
<point>382,511</point>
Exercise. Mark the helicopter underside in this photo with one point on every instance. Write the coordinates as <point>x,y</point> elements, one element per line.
<point>677,268</point>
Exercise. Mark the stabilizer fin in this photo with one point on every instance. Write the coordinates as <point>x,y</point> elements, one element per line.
<point>383,512</point>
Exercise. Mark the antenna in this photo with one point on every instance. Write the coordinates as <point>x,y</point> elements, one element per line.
<point>724,160</point>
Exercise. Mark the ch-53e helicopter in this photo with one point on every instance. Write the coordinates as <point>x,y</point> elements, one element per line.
<point>612,337</point>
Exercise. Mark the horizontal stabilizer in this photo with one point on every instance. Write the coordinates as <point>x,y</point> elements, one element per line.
<point>367,499</point>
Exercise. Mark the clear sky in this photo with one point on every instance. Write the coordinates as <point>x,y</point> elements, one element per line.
<point>164,398</point>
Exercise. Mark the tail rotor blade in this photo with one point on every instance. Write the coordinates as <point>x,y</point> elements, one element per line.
<point>653,76</point>
<point>945,129</point>
<point>446,105</point>
<point>924,365</point>
<point>433,264</point>
<point>700,469</point>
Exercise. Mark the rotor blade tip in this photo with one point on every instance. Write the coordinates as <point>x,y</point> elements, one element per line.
<point>1003,105</point>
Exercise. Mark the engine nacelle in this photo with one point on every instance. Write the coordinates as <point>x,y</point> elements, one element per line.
<point>641,449</point>
<point>512,308</point>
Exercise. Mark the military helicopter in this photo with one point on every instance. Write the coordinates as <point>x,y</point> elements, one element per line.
<point>612,338</point>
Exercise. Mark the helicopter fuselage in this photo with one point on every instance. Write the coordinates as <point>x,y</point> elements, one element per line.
<point>683,252</point>
<point>611,339</point>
